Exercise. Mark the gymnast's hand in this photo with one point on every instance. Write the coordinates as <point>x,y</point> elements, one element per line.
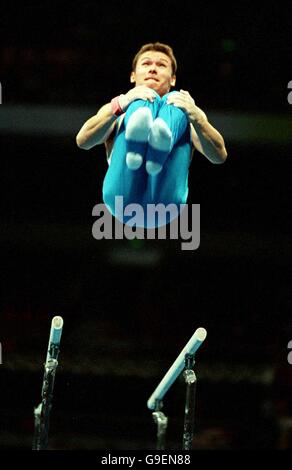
<point>140,92</point>
<point>183,100</point>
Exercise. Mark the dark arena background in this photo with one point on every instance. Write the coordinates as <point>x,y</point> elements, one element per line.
<point>130,306</point>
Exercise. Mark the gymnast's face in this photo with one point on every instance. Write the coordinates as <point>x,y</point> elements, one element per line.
<point>154,70</point>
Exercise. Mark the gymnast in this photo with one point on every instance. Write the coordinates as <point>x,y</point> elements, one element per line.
<point>150,134</point>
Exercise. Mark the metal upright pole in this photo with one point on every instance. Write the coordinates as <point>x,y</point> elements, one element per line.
<point>42,411</point>
<point>189,419</point>
<point>161,420</point>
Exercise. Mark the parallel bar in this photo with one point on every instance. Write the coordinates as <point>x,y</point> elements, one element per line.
<point>55,338</point>
<point>177,367</point>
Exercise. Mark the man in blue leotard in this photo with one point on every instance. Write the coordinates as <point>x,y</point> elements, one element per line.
<point>150,134</point>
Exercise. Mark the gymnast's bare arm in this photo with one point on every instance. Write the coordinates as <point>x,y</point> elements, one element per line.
<point>206,139</point>
<point>97,129</point>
